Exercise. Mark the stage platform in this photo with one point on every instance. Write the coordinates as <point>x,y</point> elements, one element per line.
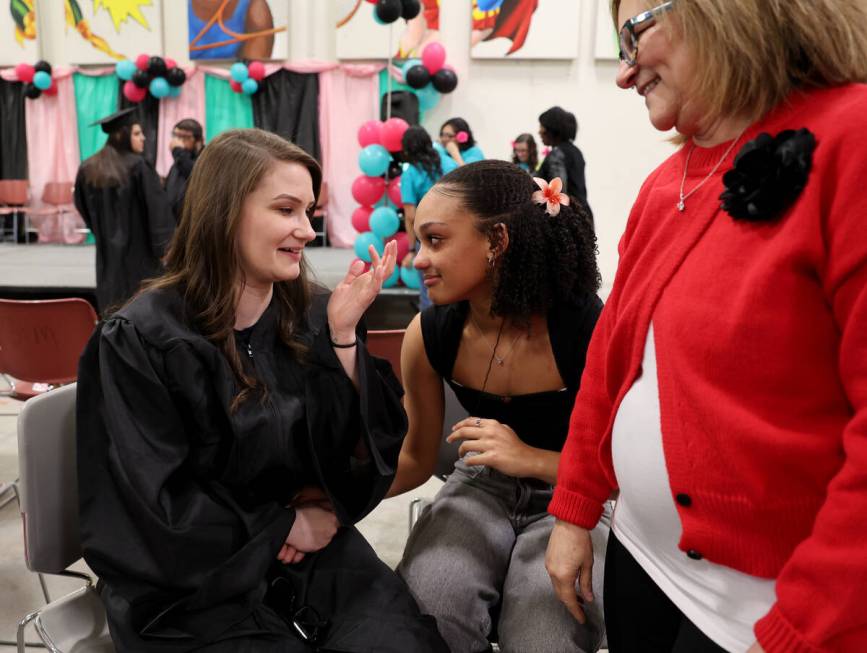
<point>51,271</point>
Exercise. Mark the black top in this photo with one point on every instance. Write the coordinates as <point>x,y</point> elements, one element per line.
<point>566,161</point>
<point>182,500</point>
<point>540,419</point>
<point>132,225</point>
<point>176,180</point>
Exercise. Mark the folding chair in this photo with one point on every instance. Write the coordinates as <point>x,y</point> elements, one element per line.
<point>14,197</point>
<point>319,218</point>
<point>386,344</point>
<point>49,509</point>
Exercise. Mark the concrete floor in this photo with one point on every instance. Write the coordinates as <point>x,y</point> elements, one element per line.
<point>385,528</point>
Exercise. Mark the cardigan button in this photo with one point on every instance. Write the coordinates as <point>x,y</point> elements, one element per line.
<point>684,500</point>
<point>695,555</point>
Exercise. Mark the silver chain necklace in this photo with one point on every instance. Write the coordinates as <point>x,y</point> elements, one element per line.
<point>500,360</point>
<point>681,204</point>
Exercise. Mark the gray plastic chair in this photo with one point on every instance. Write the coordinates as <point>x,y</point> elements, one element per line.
<point>49,508</point>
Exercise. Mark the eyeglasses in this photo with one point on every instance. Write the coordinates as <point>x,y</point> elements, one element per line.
<point>635,27</point>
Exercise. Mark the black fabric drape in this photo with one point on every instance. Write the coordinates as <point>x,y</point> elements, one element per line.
<point>148,116</point>
<point>13,133</point>
<point>288,104</point>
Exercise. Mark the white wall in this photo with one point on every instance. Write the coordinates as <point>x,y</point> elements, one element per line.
<point>499,99</point>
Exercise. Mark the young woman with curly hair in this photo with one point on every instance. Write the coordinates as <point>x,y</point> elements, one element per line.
<point>514,289</point>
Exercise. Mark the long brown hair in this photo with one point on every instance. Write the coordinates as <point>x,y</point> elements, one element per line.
<point>762,50</point>
<point>109,167</point>
<point>203,261</point>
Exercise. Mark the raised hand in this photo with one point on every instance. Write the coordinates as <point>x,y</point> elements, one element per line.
<point>356,292</point>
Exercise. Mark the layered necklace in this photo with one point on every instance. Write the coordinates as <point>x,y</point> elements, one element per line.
<point>681,203</point>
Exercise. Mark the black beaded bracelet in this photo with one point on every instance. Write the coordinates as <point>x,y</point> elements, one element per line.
<point>349,346</point>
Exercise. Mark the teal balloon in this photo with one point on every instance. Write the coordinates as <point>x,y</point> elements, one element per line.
<point>174,91</point>
<point>373,160</point>
<point>239,72</point>
<point>125,69</point>
<point>159,87</point>
<point>409,64</point>
<point>363,243</point>
<point>391,282</point>
<point>428,97</point>
<point>384,221</point>
<point>42,80</point>
<point>249,86</point>
<point>410,277</point>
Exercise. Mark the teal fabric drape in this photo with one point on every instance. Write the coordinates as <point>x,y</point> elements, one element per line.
<point>95,98</point>
<point>225,109</point>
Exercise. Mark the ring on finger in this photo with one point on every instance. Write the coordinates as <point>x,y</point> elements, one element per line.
<point>478,422</point>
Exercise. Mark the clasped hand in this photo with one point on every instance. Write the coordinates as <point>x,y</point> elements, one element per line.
<point>495,444</point>
<point>356,292</point>
<point>314,527</point>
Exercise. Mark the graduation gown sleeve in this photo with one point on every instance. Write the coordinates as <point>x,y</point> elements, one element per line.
<point>158,211</point>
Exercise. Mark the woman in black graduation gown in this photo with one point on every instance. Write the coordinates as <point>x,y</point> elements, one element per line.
<point>119,196</point>
<point>232,427</point>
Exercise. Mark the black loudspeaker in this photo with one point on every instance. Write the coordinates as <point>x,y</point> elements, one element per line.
<point>403,105</point>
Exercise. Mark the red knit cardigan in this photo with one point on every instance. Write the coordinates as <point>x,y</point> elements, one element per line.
<point>761,337</point>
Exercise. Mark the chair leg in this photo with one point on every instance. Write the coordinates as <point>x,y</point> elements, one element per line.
<point>44,589</point>
<point>414,510</point>
<point>12,490</point>
<point>22,626</point>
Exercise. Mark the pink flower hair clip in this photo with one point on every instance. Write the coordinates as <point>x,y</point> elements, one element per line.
<point>513,144</point>
<point>550,194</point>
<point>462,137</point>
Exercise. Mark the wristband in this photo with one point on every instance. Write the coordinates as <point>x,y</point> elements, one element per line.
<point>347,346</point>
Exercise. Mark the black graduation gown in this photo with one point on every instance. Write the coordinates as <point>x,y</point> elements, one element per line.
<point>176,181</point>
<point>182,501</point>
<point>132,224</point>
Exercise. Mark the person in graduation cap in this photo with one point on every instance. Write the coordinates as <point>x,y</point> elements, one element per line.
<point>232,427</point>
<point>119,196</point>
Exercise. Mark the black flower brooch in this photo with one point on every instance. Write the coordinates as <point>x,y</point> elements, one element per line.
<point>768,175</point>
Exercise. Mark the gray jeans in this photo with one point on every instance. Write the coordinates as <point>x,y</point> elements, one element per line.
<point>479,548</point>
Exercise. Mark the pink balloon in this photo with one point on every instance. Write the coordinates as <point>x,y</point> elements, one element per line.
<point>25,72</point>
<point>256,70</point>
<point>170,63</point>
<point>433,57</point>
<point>133,93</point>
<point>361,218</point>
<point>142,62</point>
<point>392,134</point>
<point>394,192</point>
<point>370,133</point>
<point>235,86</point>
<point>51,90</point>
<point>367,191</point>
<point>402,244</point>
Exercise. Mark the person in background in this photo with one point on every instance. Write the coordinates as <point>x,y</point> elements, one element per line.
<point>557,129</point>
<point>513,276</point>
<point>524,153</point>
<point>725,395</point>
<point>120,198</point>
<point>457,142</point>
<point>186,145</point>
<point>232,427</point>
<point>424,168</point>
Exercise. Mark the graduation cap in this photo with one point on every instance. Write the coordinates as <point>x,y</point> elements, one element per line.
<point>115,121</point>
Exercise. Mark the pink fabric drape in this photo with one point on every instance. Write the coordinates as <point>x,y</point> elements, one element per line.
<point>190,104</point>
<point>52,155</point>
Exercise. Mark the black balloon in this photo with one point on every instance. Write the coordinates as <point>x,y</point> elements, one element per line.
<point>411,9</point>
<point>157,67</point>
<point>44,66</point>
<point>176,77</point>
<point>31,91</point>
<point>445,80</point>
<point>418,76</point>
<point>395,169</point>
<point>141,79</point>
<point>388,11</point>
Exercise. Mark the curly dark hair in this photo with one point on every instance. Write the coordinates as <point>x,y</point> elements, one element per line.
<point>532,151</point>
<point>461,125</point>
<point>418,150</point>
<point>559,123</point>
<point>548,260</point>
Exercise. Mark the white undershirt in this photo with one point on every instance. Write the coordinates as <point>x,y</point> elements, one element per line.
<point>722,602</point>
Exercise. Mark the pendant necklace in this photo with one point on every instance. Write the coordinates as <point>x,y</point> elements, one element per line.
<point>681,204</point>
<point>500,360</point>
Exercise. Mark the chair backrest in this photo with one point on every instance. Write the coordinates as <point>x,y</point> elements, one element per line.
<point>13,191</point>
<point>387,344</point>
<point>42,340</point>
<point>49,481</point>
<point>57,193</point>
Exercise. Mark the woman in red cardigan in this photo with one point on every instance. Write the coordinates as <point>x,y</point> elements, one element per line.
<point>725,393</point>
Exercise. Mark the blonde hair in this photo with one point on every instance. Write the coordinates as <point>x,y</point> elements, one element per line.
<point>759,51</point>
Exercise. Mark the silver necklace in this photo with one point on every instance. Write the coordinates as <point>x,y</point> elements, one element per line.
<point>500,360</point>
<point>681,204</point>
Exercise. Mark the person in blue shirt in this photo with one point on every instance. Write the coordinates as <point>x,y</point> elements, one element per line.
<point>524,153</point>
<point>424,169</point>
<point>457,142</point>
